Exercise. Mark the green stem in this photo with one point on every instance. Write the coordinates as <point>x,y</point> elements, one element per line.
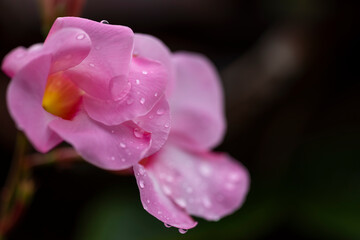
<point>18,188</point>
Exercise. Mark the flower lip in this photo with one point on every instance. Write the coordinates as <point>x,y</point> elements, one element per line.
<point>62,97</point>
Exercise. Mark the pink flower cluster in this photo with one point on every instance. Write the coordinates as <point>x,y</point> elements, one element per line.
<point>124,100</point>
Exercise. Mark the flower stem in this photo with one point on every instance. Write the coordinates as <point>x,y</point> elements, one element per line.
<point>18,189</point>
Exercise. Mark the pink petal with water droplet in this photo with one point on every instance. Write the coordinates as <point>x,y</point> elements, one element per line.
<point>108,147</point>
<point>67,50</point>
<point>153,48</point>
<point>157,203</point>
<point>140,99</point>
<point>110,55</point>
<point>156,122</point>
<point>208,185</point>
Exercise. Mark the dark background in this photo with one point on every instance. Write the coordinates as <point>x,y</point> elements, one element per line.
<point>290,70</point>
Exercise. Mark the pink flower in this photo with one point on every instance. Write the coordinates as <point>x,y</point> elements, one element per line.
<point>84,86</point>
<point>185,178</point>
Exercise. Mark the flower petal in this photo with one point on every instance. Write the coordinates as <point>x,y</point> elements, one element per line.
<point>108,147</point>
<point>19,57</point>
<point>147,79</point>
<point>156,122</point>
<point>153,48</point>
<point>208,185</point>
<point>157,203</point>
<point>69,47</point>
<point>109,57</point>
<point>196,103</point>
<point>24,97</point>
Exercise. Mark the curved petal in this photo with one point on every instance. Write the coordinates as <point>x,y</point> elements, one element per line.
<point>156,122</point>
<point>147,79</point>
<point>208,185</point>
<point>153,48</point>
<point>24,97</point>
<point>19,57</point>
<point>69,47</point>
<point>109,57</point>
<point>157,203</point>
<point>196,103</point>
<point>108,147</point>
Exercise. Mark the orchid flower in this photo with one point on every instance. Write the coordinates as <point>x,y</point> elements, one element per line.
<point>83,86</point>
<point>185,177</point>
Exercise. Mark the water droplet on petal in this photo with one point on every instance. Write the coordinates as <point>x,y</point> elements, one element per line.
<point>144,72</point>
<point>91,65</point>
<point>141,170</point>
<point>104,21</point>
<point>167,225</point>
<point>148,201</point>
<point>166,190</point>
<point>142,100</point>
<point>123,159</point>
<point>182,231</point>
<point>160,111</point>
<point>112,131</point>
<point>207,202</point>
<point>113,158</point>
<point>80,36</point>
<point>205,170</point>
<point>123,145</point>
<point>138,132</point>
<point>145,207</point>
<point>151,116</point>
<point>137,81</point>
<point>156,94</point>
<point>181,202</point>
<point>141,184</point>
<point>166,125</point>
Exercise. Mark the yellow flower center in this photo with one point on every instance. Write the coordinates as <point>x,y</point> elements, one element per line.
<point>62,97</point>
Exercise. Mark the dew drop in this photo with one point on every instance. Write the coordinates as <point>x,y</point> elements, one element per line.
<point>181,202</point>
<point>166,190</point>
<point>113,158</point>
<point>166,125</point>
<point>160,111</point>
<point>141,184</point>
<point>151,116</point>
<point>123,145</point>
<point>104,21</point>
<point>182,231</point>
<point>112,131</point>
<point>148,201</point>
<point>123,159</point>
<point>142,100</point>
<point>141,171</point>
<point>159,212</point>
<point>144,72</point>
<point>80,36</point>
<point>137,81</point>
<point>207,202</point>
<point>156,94</point>
<point>91,65</point>
<point>139,133</point>
<point>167,225</point>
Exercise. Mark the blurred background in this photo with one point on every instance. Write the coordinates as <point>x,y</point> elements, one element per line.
<point>290,72</point>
